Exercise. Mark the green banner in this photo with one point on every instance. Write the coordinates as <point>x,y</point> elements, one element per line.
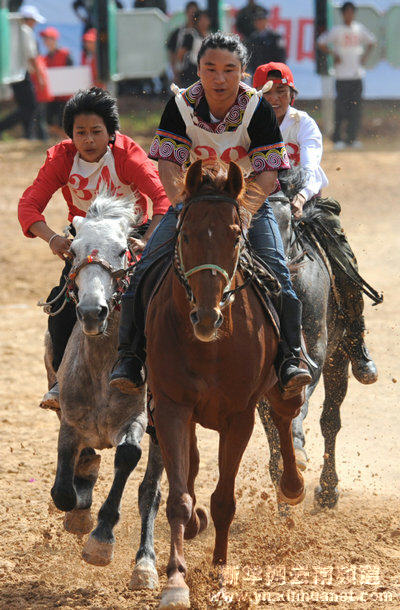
<point>392,32</point>
<point>4,45</point>
<point>112,37</point>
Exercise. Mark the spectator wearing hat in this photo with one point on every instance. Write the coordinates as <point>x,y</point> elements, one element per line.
<point>350,45</point>
<point>89,58</point>
<point>264,44</point>
<point>24,93</point>
<point>245,19</point>
<point>56,57</point>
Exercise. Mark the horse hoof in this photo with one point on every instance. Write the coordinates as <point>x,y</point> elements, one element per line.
<point>176,598</point>
<point>289,497</point>
<point>64,500</point>
<point>144,576</point>
<point>202,514</point>
<point>78,521</point>
<point>326,498</point>
<point>97,553</point>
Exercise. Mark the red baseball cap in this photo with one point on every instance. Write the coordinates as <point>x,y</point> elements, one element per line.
<point>50,32</point>
<point>261,75</point>
<point>90,35</point>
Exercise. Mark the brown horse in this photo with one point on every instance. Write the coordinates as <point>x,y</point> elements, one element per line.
<point>210,368</point>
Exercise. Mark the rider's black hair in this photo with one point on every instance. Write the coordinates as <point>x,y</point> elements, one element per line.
<point>230,42</point>
<point>347,5</point>
<point>92,101</point>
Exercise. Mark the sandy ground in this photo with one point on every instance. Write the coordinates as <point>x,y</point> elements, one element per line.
<point>353,551</point>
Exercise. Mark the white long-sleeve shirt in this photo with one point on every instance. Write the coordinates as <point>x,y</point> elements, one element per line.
<point>349,43</point>
<point>303,142</point>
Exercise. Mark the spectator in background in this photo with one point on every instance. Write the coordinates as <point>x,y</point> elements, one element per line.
<point>161,4</point>
<point>264,45</point>
<point>191,12</point>
<point>189,43</point>
<point>24,93</point>
<point>350,45</point>
<point>245,19</point>
<point>89,54</point>
<point>84,10</point>
<point>56,57</point>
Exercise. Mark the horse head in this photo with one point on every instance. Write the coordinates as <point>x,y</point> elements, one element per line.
<point>291,181</point>
<point>208,243</point>
<point>101,259</point>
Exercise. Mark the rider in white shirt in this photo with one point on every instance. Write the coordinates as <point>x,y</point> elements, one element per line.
<point>303,142</point>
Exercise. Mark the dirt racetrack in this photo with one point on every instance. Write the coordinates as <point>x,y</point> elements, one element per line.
<point>349,557</point>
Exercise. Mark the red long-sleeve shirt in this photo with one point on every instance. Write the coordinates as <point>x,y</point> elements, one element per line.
<point>132,169</point>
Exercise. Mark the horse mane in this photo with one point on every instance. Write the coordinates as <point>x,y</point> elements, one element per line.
<point>107,206</point>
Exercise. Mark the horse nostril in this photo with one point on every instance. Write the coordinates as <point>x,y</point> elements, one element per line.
<point>103,311</point>
<point>194,316</point>
<point>219,321</point>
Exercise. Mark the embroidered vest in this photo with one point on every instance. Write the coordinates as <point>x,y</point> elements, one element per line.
<point>227,145</point>
<point>87,179</point>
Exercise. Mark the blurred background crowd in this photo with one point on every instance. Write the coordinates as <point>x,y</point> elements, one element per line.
<point>44,46</point>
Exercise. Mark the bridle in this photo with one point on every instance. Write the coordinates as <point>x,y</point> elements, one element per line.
<point>121,276</point>
<point>228,294</point>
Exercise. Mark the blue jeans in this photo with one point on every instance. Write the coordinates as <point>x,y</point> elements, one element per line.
<point>264,236</point>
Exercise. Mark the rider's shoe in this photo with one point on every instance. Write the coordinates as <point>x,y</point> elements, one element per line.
<point>362,365</point>
<point>51,400</point>
<point>291,377</point>
<point>128,374</point>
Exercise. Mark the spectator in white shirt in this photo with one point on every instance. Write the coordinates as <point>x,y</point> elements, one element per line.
<point>24,94</point>
<point>350,45</point>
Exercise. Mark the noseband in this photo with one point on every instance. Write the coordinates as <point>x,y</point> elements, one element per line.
<point>183,275</point>
<point>121,276</point>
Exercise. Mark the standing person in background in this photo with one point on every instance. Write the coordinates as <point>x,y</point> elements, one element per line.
<point>191,12</point>
<point>245,19</point>
<point>264,44</point>
<point>350,45</point>
<point>24,93</point>
<point>189,43</point>
<point>55,58</point>
<point>89,54</point>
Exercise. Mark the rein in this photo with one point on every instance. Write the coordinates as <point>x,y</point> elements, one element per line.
<point>183,275</point>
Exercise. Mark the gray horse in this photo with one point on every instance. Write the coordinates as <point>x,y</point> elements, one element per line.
<point>324,331</point>
<point>93,416</point>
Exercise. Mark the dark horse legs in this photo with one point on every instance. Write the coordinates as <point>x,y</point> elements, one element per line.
<point>79,520</point>
<point>335,376</point>
<point>100,544</point>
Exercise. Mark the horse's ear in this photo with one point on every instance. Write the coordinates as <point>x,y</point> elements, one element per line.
<point>234,182</point>
<point>194,177</point>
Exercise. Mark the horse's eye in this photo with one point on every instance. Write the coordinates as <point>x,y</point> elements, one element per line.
<point>185,238</point>
<point>122,253</point>
<point>72,252</point>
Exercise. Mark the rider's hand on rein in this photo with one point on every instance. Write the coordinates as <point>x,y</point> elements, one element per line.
<point>60,246</point>
<point>137,245</point>
<point>297,205</point>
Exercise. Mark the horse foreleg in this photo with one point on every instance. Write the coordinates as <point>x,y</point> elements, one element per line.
<point>264,411</point>
<point>63,491</point>
<point>335,375</point>
<point>79,521</point>
<point>173,425</point>
<point>144,575</point>
<point>198,521</point>
<point>233,441</point>
<point>99,548</point>
<point>291,485</point>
